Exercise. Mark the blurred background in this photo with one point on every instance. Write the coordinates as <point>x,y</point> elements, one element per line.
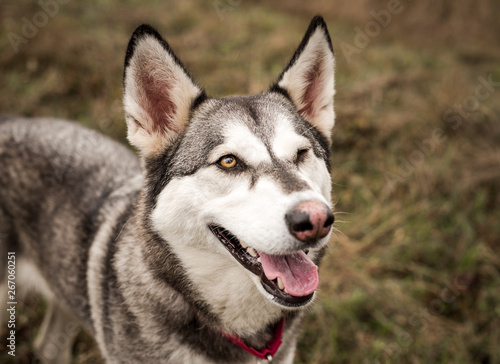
<point>413,273</point>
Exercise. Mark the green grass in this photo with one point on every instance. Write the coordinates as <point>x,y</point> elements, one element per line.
<point>413,276</point>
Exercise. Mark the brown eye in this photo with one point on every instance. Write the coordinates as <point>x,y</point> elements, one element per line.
<point>228,161</point>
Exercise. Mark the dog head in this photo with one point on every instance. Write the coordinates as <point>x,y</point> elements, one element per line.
<point>239,187</point>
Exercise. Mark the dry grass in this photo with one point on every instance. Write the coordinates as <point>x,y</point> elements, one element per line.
<point>414,275</point>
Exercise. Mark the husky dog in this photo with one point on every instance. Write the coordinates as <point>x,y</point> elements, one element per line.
<point>202,250</point>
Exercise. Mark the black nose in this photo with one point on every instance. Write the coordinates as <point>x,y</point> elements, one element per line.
<point>309,221</point>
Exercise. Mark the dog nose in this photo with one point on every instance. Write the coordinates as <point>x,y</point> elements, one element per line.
<point>309,221</point>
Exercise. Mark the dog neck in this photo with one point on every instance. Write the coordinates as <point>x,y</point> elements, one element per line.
<point>265,353</point>
<point>172,301</point>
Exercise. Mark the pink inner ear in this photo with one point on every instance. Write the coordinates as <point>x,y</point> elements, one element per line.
<point>156,101</point>
<point>311,90</point>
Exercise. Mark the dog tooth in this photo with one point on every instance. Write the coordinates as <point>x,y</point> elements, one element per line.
<point>243,244</point>
<point>259,260</point>
<point>252,252</point>
<point>280,283</point>
<point>286,291</point>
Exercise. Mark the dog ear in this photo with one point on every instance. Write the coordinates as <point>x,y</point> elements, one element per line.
<point>308,80</point>
<point>158,92</point>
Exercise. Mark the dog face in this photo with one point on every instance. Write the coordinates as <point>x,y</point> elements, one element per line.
<point>239,187</point>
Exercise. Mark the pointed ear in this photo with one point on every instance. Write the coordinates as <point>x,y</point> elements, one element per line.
<point>158,92</point>
<point>308,80</point>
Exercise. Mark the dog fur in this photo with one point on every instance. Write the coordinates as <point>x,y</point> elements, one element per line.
<point>131,247</point>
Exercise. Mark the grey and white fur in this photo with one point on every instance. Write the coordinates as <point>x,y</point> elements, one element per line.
<point>156,256</point>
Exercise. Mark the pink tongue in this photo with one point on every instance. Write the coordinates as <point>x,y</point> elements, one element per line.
<point>298,273</point>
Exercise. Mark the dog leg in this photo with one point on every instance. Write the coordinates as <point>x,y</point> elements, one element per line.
<point>54,343</point>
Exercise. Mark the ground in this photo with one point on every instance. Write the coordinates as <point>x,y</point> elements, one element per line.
<point>413,273</point>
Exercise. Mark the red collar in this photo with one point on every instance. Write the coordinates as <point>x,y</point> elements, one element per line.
<point>266,353</point>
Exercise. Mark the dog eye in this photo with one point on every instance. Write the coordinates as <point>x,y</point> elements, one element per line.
<point>227,162</point>
<point>301,154</point>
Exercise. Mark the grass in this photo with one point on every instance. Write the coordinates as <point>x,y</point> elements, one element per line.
<point>413,276</point>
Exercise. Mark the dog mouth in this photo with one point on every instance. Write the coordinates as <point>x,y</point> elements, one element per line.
<point>291,279</point>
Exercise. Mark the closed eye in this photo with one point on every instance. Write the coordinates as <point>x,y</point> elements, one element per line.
<point>301,155</point>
